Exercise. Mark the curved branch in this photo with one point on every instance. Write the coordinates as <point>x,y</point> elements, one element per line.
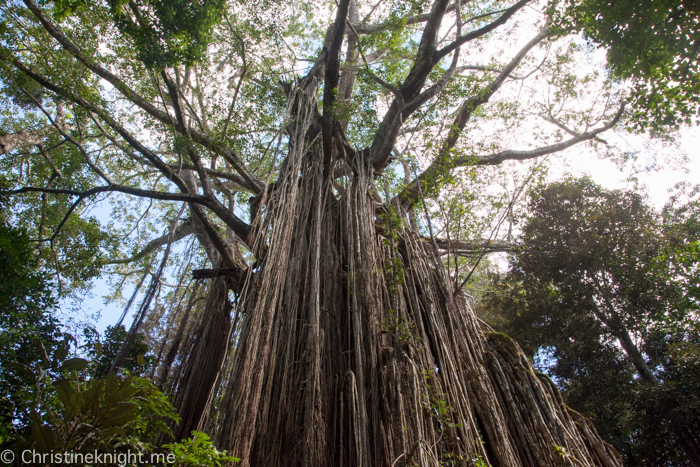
<point>554,121</point>
<point>427,57</point>
<point>183,230</point>
<point>363,28</point>
<point>174,92</point>
<point>437,88</point>
<point>410,194</point>
<point>480,32</point>
<point>466,248</point>
<point>237,179</point>
<point>164,196</point>
<point>104,115</point>
<point>354,41</point>
<point>385,138</point>
<point>241,228</point>
<point>236,277</point>
<point>495,159</point>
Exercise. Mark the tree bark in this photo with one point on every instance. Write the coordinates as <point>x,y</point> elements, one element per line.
<point>355,350</point>
<point>203,365</point>
<point>636,356</point>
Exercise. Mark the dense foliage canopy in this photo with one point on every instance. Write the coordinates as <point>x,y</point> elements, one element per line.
<point>653,43</point>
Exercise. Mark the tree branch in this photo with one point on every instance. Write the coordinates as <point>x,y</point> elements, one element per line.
<point>362,28</point>
<point>183,230</point>
<point>237,179</point>
<point>385,138</point>
<point>444,160</point>
<point>241,228</point>
<point>104,115</point>
<point>67,137</point>
<point>254,183</point>
<point>347,80</point>
<point>236,277</point>
<point>480,32</point>
<point>437,88</point>
<point>12,141</point>
<point>495,159</point>
<point>559,124</point>
<point>468,248</point>
<point>331,81</point>
<point>190,198</point>
<point>174,93</point>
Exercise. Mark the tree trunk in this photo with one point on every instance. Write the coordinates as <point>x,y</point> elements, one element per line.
<point>355,350</point>
<point>203,365</point>
<point>635,355</point>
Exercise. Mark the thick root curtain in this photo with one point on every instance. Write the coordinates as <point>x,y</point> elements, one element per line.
<point>354,350</point>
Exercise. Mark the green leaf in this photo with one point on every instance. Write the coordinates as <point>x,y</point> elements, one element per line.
<point>98,349</point>
<point>118,415</point>
<point>61,351</point>
<point>64,389</point>
<point>43,437</point>
<point>23,370</point>
<point>75,364</point>
<point>72,400</point>
<point>91,397</point>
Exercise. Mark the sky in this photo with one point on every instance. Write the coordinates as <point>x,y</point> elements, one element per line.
<point>658,181</point>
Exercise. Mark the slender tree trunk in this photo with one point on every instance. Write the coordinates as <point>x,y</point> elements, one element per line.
<point>177,340</point>
<point>636,356</point>
<point>615,323</point>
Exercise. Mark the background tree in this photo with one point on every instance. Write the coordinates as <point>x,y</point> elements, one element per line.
<point>331,331</point>
<point>597,295</point>
<point>26,302</point>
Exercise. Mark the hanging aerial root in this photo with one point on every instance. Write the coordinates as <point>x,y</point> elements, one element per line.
<point>355,351</point>
<point>201,369</point>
